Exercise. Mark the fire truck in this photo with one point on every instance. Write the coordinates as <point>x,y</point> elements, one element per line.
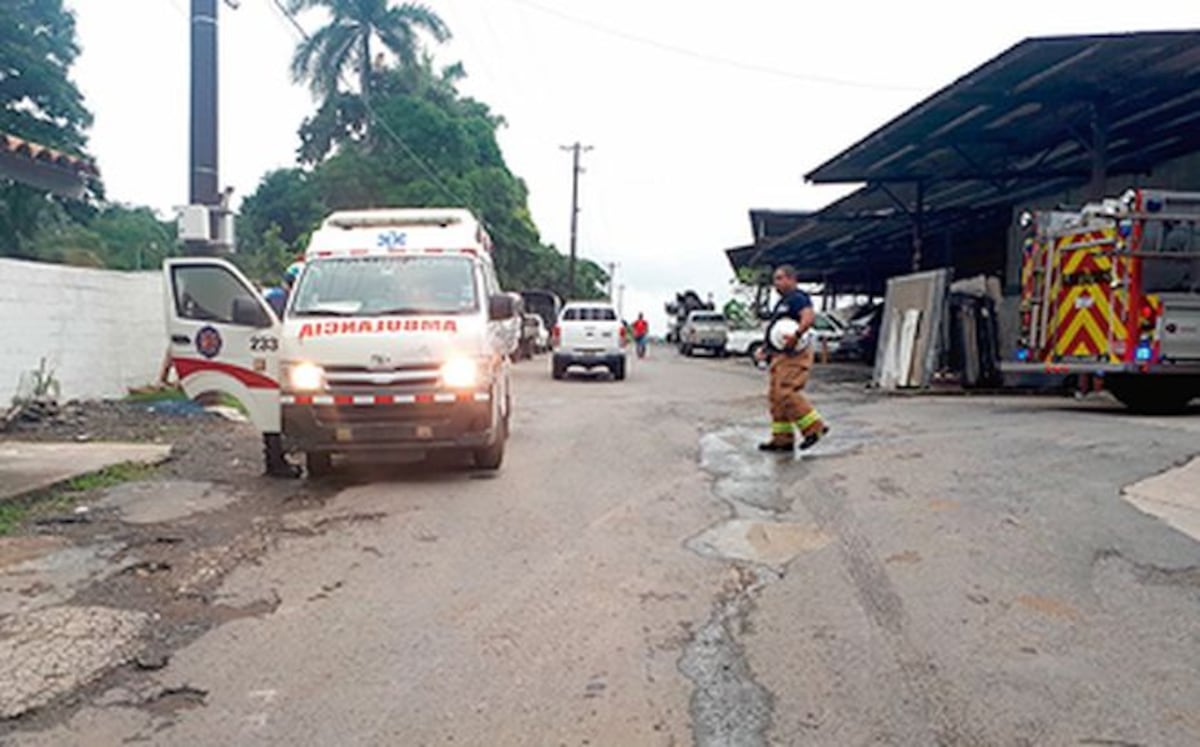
<point>1110,298</point>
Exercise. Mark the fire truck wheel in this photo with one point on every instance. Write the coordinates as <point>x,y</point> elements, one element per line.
<point>1150,395</point>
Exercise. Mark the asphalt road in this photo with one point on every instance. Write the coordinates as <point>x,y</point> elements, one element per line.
<point>943,571</point>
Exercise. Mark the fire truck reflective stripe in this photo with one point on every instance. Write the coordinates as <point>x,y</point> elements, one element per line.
<point>483,397</point>
<point>368,399</point>
<point>323,399</point>
<point>424,399</point>
<point>444,398</point>
<point>287,399</point>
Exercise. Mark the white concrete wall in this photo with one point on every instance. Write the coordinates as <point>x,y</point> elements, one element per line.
<point>100,331</point>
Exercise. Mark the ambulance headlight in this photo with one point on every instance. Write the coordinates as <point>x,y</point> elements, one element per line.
<point>305,377</point>
<point>460,373</point>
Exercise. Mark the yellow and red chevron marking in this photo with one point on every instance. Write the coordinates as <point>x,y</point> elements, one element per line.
<point>1088,308</point>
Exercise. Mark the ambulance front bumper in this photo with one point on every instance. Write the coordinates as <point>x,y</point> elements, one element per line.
<point>379,421</point>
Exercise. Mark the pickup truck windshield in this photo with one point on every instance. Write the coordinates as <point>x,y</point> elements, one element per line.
<point>708,319</point>
<point>385,286</point>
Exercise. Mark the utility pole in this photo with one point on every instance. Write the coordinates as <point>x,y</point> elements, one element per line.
<point>206,225</point>
<point>576,169</point>
<point>612,280</point>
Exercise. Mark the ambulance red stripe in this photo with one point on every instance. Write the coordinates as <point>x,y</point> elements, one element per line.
<point>186,367</point>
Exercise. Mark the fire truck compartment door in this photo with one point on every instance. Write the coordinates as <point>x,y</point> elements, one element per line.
<point>1180,330</point>
<point>223,337</point>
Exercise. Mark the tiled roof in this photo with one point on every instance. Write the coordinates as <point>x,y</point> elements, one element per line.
<point>20,147</point>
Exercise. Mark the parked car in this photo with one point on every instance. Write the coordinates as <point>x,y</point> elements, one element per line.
<point>861,339</point>
<point>704,330</point>
<point>827,330</point>
<point>589,335</point>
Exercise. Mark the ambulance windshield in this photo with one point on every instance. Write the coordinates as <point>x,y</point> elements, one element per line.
<point>386,286</point>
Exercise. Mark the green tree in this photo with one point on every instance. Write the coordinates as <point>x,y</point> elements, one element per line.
<point>345,42</point>
<point>38,102</point>
<point>432,147</point>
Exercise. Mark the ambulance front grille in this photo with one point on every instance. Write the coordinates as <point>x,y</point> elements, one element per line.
<point>350,377</point>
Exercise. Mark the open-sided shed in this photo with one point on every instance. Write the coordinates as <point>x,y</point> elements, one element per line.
<point>1056,119</point>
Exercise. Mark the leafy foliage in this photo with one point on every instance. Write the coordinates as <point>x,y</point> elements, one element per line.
<point>345,42</point>
<point>432,147</point>
<point>38,102</point>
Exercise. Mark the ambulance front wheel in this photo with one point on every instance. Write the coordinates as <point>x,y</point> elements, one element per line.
<point>318,464</point>
<point>491,457</point>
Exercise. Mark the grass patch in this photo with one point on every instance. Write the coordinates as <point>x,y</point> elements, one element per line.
<point>150,395</point>
<point>66,496</point>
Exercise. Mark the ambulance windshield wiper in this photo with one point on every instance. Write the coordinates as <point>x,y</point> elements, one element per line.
<point>405,311</point>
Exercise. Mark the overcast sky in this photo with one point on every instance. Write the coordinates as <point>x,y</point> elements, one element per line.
<point>696,115</point>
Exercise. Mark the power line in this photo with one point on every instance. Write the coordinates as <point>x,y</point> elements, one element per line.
<point>711,58</point>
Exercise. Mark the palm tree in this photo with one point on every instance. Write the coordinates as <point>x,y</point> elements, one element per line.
<point>346,41</point>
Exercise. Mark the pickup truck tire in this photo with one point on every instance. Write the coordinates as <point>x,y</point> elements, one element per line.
<point>491,457</point>
<point>688,352</point>
<point>753,350</point>
<point>318,464</point>
<point>618,371</point>
<point>558,370</point>
<point>1153,395</point>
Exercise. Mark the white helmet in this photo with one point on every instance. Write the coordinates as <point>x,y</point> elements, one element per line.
<point>783,329</point>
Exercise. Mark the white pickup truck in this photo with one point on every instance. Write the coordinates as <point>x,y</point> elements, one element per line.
<point>590,335</point>
<point>827,332</point>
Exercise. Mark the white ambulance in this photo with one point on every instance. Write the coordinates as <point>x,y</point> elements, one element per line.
<point>393,339</point>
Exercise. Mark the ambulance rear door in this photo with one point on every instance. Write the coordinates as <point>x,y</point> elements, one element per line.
<point>224,337</point>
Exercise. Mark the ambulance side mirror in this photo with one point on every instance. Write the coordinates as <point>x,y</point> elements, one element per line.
<point>248,313</point>
<point>501,307</point>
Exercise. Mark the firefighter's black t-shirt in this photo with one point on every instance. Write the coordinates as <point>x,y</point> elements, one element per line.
<point>789,307</point>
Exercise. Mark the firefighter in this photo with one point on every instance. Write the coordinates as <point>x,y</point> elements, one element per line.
<point>791,361</point>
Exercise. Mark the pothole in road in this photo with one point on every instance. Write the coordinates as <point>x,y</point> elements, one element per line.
<point>767,543</point>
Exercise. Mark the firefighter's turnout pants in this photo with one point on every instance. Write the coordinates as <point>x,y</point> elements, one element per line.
<point>790,409</point>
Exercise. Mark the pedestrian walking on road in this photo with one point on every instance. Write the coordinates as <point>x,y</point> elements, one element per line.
<point>790,351</point>
<point>641,334</point>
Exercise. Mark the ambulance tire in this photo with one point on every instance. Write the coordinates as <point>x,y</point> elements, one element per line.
<point>318,464</point>
<point>491,457</point>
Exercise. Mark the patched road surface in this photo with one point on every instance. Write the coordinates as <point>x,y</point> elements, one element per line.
<point>942,571</point>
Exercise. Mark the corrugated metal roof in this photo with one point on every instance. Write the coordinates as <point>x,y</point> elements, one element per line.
<point>1028,114</point>
<point>1016,129</point>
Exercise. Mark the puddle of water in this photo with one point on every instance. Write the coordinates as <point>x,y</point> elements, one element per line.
<point>768,543</point>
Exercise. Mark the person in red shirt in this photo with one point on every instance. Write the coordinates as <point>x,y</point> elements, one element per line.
<point>641,334</point>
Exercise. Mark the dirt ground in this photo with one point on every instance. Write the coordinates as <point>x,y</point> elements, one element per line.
<point>168,570</point>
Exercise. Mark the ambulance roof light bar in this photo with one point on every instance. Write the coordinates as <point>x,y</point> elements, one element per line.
<point>395,218</point>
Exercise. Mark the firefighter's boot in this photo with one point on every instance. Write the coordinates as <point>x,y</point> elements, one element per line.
<point>783,438</point>
<point>813,428</point>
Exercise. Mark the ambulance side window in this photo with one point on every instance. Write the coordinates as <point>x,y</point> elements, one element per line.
<point>207,293</point>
